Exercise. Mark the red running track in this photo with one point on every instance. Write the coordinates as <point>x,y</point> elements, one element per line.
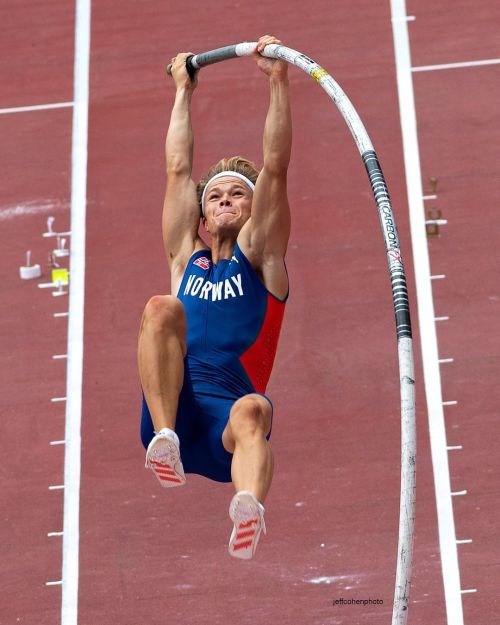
<point>150,556</point>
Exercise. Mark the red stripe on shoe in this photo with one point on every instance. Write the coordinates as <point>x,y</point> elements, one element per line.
<point>244,545</point>
<point>169,479</point>
<point>249,532</point>
<point>165,471</point>
<point>160,464</point>
<point>247,524</point>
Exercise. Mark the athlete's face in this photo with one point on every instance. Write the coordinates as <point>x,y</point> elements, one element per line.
<point>228,202</point>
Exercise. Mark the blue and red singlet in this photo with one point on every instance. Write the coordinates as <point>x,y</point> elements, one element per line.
<point>233,326</point>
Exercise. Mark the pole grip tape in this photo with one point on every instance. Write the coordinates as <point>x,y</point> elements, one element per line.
<point>196,61</point>
<point>212,56</point>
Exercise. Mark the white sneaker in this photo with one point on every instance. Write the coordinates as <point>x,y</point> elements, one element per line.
<point>247,515</point>
<point>164,458</point>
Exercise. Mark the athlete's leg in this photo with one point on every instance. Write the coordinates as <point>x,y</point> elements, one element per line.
<point>161,351</point>
<point>245,437</point>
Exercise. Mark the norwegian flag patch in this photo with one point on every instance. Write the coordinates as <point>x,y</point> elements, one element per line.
<point>202,262</point>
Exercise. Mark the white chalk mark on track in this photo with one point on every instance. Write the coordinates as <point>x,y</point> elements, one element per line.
<point>31,207</point>
<point>436,222</point>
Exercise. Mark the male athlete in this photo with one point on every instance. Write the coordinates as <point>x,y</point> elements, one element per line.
<point>206,352</point>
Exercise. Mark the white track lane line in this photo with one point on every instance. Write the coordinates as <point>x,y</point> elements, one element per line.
<point>430,68</point>
<point>432,376</point>
<point>36,107</point>
<point>72,457</point>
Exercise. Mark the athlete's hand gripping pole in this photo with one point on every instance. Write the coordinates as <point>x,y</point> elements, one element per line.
<point>195,62</point>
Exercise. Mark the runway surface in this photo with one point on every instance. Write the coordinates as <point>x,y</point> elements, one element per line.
<point>148,556</point>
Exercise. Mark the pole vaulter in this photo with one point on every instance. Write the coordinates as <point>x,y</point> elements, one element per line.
<point>398,283</point>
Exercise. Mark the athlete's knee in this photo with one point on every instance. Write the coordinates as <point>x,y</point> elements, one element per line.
<point>250,416</point>
<point>165,312</point>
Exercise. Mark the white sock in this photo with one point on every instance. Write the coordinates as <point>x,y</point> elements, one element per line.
<point>170,433</point>
<point>247,492</point>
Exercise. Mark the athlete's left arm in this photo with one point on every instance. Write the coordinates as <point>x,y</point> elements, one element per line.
<point>267,232</point>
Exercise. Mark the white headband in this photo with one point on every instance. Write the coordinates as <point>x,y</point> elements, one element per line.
<point>223,174</point>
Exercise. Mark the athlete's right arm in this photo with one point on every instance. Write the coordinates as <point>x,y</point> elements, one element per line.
<point>181,212</point>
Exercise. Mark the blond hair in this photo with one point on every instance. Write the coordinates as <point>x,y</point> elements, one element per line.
<point>235,163</point>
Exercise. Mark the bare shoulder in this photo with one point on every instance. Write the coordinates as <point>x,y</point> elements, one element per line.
<point>269,266</point>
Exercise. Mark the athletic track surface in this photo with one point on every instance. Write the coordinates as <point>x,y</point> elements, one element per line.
<point>151,557</point>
